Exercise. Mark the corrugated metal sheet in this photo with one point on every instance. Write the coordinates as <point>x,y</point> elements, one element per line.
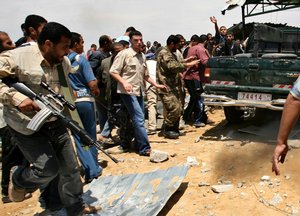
<point>135,194</point>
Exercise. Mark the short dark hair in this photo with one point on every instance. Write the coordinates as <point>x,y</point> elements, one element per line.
<point>130,29</point>
<point>53,31</point>
<point>173,39</point>
<point>124,43</point>
<point>202,38</point>
<point>180,36</point>
<point>115,44</point>
<point>75,39</point>
<point>103,39</point>
<point>195,38</point>
<point>132,33</point>
<point>33,21</point>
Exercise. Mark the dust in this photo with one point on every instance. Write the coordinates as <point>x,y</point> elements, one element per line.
<point>243,162</point>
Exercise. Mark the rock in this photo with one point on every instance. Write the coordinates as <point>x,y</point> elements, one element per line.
<point>122,160</point>
<point>276,200</point>
<point>223,138</point>
<point>158,156</point>
<point>226,182</point>
<point>265,178</point>
<point>208,206</point>
<point>244,142</point>
<point>287,176</point>
<point>191,161</point>
<point>229,144</point>
<point>295,210</point>
<point>203,184</point>
<point>240,184</point>
<point>198,139</point>
<point>173,154</point>
<point>205,170</point>
<point>294,144</point>
<point>243,195</point>
<point>221,188</point>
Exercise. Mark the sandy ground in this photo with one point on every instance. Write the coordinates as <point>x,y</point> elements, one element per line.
<point>225,155</point>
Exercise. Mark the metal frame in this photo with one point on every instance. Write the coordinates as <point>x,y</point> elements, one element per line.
<point>251,7</point>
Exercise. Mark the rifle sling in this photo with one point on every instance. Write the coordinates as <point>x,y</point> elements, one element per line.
<point>67,93</point>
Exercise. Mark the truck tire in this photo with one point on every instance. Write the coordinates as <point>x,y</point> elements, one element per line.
<point>233,115</point>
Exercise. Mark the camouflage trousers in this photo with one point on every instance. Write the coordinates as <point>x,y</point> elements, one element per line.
<point>172,108</point>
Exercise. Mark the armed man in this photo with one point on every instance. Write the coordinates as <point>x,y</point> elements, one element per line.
<point>49,150</point>
<point>168,73</point>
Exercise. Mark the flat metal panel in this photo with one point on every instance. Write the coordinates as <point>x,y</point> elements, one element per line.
<point>135,194</point>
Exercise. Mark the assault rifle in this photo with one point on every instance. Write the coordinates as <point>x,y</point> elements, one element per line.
<point>52,106</point>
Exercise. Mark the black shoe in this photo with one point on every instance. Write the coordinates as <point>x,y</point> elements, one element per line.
<point>5,199</point>
<point>181,133</point>
<point>171,134</point>
<point>151,132</point>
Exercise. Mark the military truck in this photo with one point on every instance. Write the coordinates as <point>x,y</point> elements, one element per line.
<point>259,79</point>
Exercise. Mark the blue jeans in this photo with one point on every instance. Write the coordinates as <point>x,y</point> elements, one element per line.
<point>90,166</point>
<point>88,158</point>
<point>135,107</point>
<point>106,130</point>
<point>52,158</point>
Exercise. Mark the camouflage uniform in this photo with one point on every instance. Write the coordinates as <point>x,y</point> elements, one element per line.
<point>168,69</point>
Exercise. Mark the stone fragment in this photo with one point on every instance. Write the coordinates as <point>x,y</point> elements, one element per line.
<point>221,188</point>
<point>240,184</point>
<point>203,184</point>
<point>265,178</point>
<point>158,156</point>
<point>191,161</point>
<point>276,200</point>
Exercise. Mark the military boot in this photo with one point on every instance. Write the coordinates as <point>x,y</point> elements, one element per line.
<point>170,133</point>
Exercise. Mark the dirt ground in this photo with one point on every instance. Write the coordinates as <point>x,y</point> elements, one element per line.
<point>225,155</point>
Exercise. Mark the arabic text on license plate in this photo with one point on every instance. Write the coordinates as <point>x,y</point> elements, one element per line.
<point>254,96</point>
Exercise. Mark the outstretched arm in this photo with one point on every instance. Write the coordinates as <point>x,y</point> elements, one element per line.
<point>289,118</point>
<point>214,21</point>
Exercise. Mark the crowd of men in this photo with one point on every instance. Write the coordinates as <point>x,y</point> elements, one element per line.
<point>108,87</point>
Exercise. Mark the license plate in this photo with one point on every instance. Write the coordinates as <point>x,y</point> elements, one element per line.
<point>254,96</point>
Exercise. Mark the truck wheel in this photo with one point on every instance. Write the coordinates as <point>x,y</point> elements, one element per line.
<point>233,115</point>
